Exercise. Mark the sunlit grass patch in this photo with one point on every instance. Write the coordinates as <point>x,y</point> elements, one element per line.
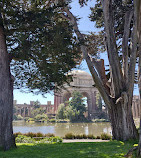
<point>112,149</point>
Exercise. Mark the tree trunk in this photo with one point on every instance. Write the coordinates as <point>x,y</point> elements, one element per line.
<point>6,96</point>
<point>138,7</point>
<point>122,123</point>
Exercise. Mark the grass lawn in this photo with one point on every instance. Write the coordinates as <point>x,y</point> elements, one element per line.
<point>113,149</point>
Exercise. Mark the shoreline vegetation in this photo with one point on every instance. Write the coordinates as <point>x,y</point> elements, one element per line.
<point>27,119</point>
<point>40,136</point>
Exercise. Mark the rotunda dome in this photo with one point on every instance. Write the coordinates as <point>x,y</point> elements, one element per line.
<point>80,73</point>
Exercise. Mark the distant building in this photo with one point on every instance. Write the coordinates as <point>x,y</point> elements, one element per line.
<point>82,82</point>
<point>25,109</point>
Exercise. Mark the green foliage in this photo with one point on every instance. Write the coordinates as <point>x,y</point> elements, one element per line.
<point>78,136</point>
<point>91,136</point>
<point>100,120</point>
<point>72,114</point>
<point>41,44</point>
<point>19,117</point>
<point>61,112</point>
<point>105,136</point>
<point>75,110</point>
<point>16,134</point>
<point>49,135</point>
<point>97,137</point>
<point>99,101</point>
<point>52,120</point>
<point>24,139</point>
<point>51,140</point>
<point>30,119</point>
<point>84,136</point>
<point>69,136</point>
<point>37,111</point>
<point>30,134</point>
<point>37,104</point>
<point>55,139</point>
<point>41,117</point>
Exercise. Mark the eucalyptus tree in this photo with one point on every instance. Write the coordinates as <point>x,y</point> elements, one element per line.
<point>40,48</point>
<point>119,20</point>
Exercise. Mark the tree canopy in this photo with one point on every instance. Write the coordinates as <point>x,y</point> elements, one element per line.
<point>41,44</point>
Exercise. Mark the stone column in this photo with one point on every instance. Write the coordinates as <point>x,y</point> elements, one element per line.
<point>57,101</point>
<point>93,101</point>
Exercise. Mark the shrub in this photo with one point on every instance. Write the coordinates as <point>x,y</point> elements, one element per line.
<point>105,136</point>
<point>55,139</point>
<point>61,112</point>
<point>16,134</point>
<point>30,134</point>
<point>24,139</point>
<point>49,135</point>
<point>19,117</point>
<point>51,140</point>
<point>69,136</point>
<point>84,136</point>
<point>15,117</point>
<point>79,136</point>
<point>31,119</point>
<point>52,120</point>
<point>39,134</point>
<point>97,137</point>
<point>41,117</point>
<point>26,118</point>
<point>90,136</point>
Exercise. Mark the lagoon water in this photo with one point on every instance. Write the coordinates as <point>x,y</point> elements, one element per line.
<point>60,129</point>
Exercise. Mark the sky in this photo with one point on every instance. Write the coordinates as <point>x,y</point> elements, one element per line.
<point>85,26</point>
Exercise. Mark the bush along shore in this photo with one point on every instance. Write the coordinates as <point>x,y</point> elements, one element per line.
<point>33,137</point>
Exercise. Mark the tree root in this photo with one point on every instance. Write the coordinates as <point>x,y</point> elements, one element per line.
<point>130,152</point>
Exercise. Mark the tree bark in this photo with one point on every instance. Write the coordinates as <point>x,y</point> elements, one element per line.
<point>6,96</point>
<point>138,7</point>
<point>122,123</point>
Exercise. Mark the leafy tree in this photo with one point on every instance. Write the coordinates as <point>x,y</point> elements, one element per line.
<point>77,102</point>
<point>61,112</point>
<point>76,107</point>
<point>41,117</point>
<point>72,114</point>
<point>99,101</point>
<point>40,47</point>
<point>117,19</point>
<point>37,104</point>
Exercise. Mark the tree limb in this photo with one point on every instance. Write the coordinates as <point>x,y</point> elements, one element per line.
<point>127,22</point>
<point>97,80</point>
<point>133,55</point>
<point>112,47</point>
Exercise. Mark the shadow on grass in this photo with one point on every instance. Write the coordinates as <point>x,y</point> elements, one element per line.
<point>111,149</point>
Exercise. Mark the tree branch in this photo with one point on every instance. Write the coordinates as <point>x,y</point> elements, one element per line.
<point>112,47</point>
<point>127,22</point>
<point>97,80</point>
<point>133,55</point>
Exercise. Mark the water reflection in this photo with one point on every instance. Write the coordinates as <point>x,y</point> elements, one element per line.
<point>60,129</point>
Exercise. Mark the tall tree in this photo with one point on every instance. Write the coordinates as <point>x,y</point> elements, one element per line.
<point>138,8</point>
<point>6,94</point>
<point>119,20</point>
<point>42,49</point>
